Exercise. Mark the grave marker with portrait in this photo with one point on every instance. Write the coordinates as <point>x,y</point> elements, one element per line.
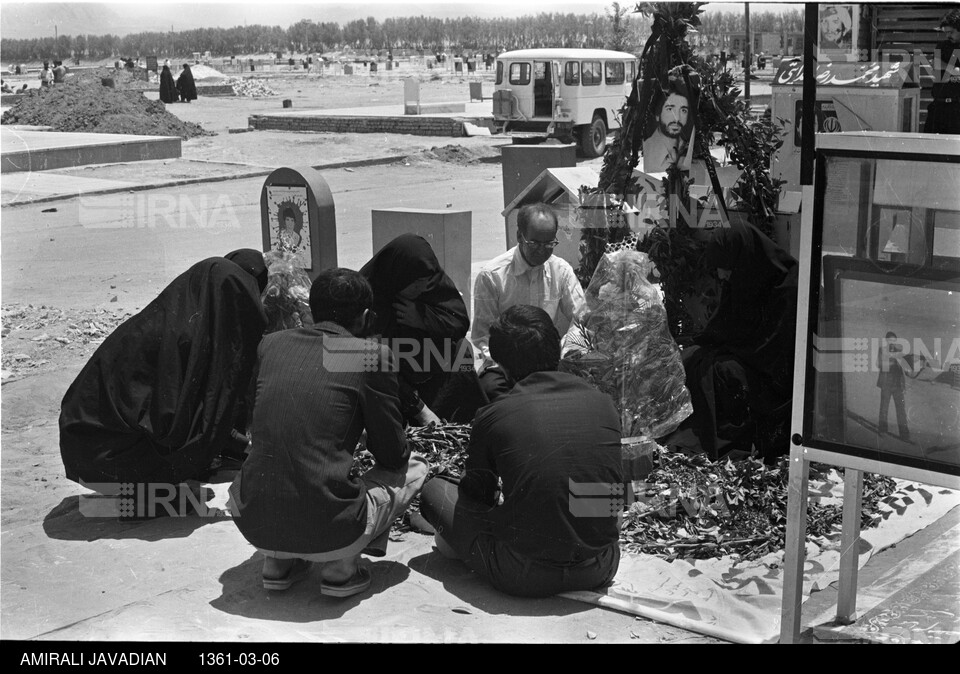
<point>298,216</point>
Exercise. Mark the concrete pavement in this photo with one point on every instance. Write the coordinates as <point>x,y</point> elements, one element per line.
<point>69,577</point>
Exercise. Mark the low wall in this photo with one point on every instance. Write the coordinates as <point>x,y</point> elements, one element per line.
<point>7,100</point>
<point>215,90</point>
<point>82,155</point>
<point>415,126</point>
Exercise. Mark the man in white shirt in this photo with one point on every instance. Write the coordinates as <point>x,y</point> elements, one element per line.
<point>528,273</point>
<point>46,75</point>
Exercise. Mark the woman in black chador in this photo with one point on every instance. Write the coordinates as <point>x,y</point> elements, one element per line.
<point>160,398</point>
<point>419,308</point>
<point>740,373</point>
<point>168,88</point>
<point>185,85</point>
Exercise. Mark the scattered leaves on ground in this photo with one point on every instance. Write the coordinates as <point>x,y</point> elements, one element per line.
<point>691,507</point>
<point>34,335</point>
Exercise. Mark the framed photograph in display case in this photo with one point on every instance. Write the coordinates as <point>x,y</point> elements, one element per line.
<point>881,379</point>
<point>887,363</point>
<point>877,372</point>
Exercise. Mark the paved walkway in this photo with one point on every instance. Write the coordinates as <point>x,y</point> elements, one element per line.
<point>473,109</point>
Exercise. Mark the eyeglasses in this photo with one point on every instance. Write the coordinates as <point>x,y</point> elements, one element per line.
<point>543,245</point>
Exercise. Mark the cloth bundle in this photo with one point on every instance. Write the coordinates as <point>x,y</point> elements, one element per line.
<point>622,345</point>
<point>286,299</point>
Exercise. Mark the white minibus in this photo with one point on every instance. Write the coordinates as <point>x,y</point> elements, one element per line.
<point>571,94</point>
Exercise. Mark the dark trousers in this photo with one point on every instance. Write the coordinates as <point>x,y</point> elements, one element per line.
<point>887,394</point>
<point>465,525</point>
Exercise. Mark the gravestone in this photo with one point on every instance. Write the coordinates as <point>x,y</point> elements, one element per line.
<point>296,206</point>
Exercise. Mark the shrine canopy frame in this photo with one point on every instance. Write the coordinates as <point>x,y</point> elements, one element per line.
<point>858,259</point>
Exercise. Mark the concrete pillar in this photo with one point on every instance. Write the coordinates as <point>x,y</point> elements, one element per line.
<point>449,233</point>
<point>521,164</point>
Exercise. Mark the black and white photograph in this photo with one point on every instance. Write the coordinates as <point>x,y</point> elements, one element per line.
<point>475,323</point>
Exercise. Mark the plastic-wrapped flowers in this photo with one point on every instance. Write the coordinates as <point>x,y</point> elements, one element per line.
<point>622,345</point>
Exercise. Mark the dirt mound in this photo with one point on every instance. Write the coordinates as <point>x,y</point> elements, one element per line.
<point>138,78</point>
<point>453,154</point>
<point>93,108</point>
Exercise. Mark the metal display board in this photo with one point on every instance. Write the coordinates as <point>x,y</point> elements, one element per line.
<point>877,372</point>
<point>872,96</point>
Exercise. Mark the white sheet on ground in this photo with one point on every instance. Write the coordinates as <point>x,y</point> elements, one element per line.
<point>740,601</point>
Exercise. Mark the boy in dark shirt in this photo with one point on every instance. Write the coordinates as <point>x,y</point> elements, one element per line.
<point>554,443</point>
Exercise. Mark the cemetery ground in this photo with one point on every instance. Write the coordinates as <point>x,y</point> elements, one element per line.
<point>74,268</point>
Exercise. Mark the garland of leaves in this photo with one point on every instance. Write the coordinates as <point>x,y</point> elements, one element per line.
<point>721,115</point>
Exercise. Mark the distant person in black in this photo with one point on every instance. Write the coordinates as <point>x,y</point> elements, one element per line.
<point>161,397</point>
<point>168,88</point>
<point>185,85</point>
<point>943,113</point>
<point>551,439</point>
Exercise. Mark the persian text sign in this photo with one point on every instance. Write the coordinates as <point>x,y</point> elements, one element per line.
<point>893,74</point>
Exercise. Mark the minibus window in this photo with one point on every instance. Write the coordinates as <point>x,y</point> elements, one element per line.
<point>499,72</point>
<point>614,72</point>
<point>571,73</point>
<point>632,72</point>
<point>591,73</point>
<point>520,73</point>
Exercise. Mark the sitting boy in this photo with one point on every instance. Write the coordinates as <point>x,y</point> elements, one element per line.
<point>554,441</point>
<point>317,390</point>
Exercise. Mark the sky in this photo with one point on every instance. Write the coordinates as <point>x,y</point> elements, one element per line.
<point>36,18</point>
<point>266,10</point>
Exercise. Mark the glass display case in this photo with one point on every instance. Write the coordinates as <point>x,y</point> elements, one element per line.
<point>882,375</point>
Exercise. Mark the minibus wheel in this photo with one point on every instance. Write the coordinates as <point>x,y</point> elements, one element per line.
<point>593,137</point>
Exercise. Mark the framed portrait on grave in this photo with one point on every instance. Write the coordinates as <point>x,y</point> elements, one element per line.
<point>838,32</point>
<point>289,218</point>
<point>882,368</point>
<point>670,128</point>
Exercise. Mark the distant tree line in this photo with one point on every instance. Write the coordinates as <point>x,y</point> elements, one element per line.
<point>715,25</point>
<point>619,28</point>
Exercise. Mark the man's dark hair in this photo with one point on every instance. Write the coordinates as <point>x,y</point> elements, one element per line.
<point>951,20</point>
<point>339,295</point>
<point>530,211</point>
<point>524,340</point>
<point>677,87</point>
